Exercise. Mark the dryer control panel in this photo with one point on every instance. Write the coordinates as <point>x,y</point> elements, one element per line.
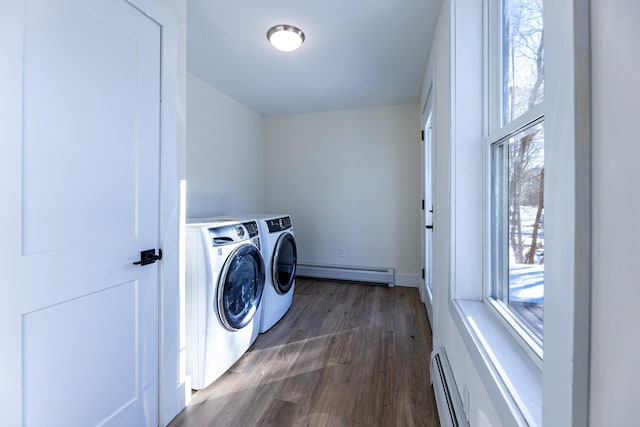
<point>279,224</point>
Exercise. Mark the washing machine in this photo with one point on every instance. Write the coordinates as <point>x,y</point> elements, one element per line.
<point>225,281</point>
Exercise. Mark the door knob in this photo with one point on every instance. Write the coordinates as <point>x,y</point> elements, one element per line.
<point>149,257</point>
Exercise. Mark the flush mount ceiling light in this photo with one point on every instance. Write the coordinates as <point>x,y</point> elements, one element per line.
<point>285,37</point>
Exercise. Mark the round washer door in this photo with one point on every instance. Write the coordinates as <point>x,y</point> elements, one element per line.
<point>285,258</point>
<point>240,287</point>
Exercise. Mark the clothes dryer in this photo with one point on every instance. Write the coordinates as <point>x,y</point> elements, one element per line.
<point>225,278</point>
<point>281,257</point>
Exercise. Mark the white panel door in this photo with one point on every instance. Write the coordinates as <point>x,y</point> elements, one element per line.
<point>427,217</point>
<point>79,162</point>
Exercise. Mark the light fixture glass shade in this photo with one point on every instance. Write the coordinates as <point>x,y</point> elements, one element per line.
<point>285,37</point>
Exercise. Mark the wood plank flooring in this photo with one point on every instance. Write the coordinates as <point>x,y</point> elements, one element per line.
<point>345,354</point>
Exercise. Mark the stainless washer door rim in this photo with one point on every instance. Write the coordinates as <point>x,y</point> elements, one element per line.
<point>283,266</point>
<point>237,302</point>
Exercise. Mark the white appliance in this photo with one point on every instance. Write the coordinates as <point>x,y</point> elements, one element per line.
<point>225,280</point>
<point>281,257</point>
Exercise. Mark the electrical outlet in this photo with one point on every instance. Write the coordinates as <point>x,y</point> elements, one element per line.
<point>341,252</point>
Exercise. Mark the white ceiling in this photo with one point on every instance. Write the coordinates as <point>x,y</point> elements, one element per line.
<point>357,53</point>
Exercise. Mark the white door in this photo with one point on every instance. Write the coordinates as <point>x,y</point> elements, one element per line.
<point>427,236</point>
<point>79,167</point>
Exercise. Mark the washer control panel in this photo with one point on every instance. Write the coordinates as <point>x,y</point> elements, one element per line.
<point>227,234</point>
<point>252,228</point>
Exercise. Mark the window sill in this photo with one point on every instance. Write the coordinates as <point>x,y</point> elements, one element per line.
<point>512,379</point>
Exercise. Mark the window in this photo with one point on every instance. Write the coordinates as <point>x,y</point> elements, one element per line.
<point>516,147</point>
<point>522,62</point>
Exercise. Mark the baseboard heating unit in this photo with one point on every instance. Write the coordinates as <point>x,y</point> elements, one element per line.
<point>348,273</point>
<point>450,407</point>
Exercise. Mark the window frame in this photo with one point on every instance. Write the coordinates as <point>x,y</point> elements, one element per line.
<point>511,381</point>
<point>497,133</point>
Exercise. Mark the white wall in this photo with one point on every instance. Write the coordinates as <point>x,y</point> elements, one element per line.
<point>615,342</point>
<point>350,179</point>
<point>224,153</point>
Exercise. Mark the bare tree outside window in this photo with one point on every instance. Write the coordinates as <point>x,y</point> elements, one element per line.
<point>526,226</point>
<point>523,57</point>
<point>522,90</point>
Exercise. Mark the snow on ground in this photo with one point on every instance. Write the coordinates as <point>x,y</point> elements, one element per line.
<point>526,281</point>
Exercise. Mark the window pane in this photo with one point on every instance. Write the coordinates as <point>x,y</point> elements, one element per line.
<point>522,57</point>
<point>526,227</point>
<point>518,224</point>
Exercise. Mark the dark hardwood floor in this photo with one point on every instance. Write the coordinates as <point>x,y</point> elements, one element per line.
<point>345,354</point>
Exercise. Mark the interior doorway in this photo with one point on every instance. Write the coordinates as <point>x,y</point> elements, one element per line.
<point>426,289</point>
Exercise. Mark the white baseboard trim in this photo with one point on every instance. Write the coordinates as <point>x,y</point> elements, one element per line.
<point>383,275</point>
<point>407,280</point>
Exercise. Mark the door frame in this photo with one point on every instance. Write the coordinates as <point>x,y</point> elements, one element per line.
<point>427,114</point>
<point>171,386</point>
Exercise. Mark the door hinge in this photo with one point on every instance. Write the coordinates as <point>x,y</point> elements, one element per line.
<point>422,204</point>
<point>422,135</point>
<point>423,274</point>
